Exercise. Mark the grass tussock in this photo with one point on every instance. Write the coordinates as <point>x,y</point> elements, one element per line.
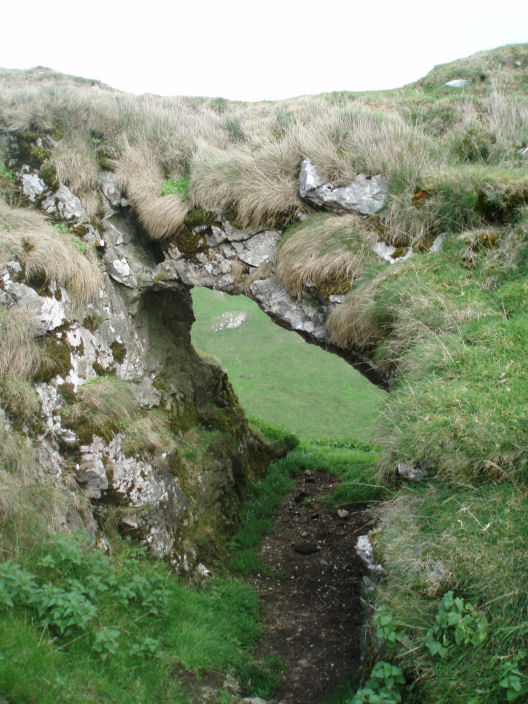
<point>328,252</point>
<point>259,186</point>
<point>75,163</point>
<point>462,405</point>
<point>435,293</point>
<point>47,253</point>
<point>104,406</point>
<point>148,436</point>
<point>140,175</point>
<point>434,540</point>
<point>20,358</point>
<point>30,504</point>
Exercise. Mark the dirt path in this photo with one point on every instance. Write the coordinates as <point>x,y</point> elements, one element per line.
<point>311,596</point>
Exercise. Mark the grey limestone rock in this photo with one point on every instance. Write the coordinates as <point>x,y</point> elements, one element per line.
<point>64,204</point>
<point>48,312</point>
<point>32,186</point>
<point>298,316</point>
<point>365,552</point>
<point>365,195</point>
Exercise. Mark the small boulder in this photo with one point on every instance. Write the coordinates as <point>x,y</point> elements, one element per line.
<point>457,83</point>
<point>366,195</point>
<point>411,474</point>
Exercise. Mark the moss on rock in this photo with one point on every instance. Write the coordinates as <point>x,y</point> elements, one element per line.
<point>118,351</point>
<point>56,360</point>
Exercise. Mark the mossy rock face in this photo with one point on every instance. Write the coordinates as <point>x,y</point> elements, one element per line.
<point>30,152</point>
<point>399,252</point>
<point>105,157</point>
<point>92,322</point>
<point>182,418</point>
<point>100,370</point>
<point>197,217</point>
<point>57,133</point>
<point>334,286</point>
<point>48,174</point>
<point>38,282</point>
<point>190,243</point>
<point>57,360</point>
<point>67,392</point>
<point>118,351</point>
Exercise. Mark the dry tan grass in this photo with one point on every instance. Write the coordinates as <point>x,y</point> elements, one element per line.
<point>354,323</point>
<point>259,185</point>
<point>140,174</point>
<point>325,250</point>
<point>103,407</point>
<point>30,503</point>
<point>256,179</point>
<point>75,163</point>
<point>508,117</point>
<point>20,355</point>
<point>148,436</point>
<point>45,252</point>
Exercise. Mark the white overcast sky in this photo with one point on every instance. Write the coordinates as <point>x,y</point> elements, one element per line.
<point>244,50</point>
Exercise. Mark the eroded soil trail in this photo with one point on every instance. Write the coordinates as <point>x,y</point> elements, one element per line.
<point>311,596</point>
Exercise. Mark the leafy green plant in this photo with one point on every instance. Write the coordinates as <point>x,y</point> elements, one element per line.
<point>386,626</point>
<point>106,642</point>
<point>514,681</point>
<point>7,173</point>
<point>382,687</point>
<point>175,186</point>
<point>146,648</point>
<point>457,623</point>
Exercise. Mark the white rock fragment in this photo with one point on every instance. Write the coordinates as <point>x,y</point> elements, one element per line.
<point>364,550</point>
<point>65,204</point>
<point>258,249</point>
<point>438,243</point>
<point>228,321</point>
<point>121,267</point>
<point>48,312</point>
<point>32,186</point>
<point>457,83</point>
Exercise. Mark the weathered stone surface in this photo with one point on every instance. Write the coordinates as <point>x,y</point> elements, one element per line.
<point>258,249</point>
<point>32,186</point>
<point>64,204</point>
<point>276,302</point>
<point>365,552</point>
<point>48,312</point>
<point>111,191</point>
<point>365,195</point>
<point>228,321</point>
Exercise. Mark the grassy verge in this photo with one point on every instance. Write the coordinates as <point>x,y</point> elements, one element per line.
<point>79,627</point>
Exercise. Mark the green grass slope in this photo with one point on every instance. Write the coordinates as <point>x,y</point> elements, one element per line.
<point>279,377</point>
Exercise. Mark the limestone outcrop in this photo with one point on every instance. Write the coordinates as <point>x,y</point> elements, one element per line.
<point>131,416</point>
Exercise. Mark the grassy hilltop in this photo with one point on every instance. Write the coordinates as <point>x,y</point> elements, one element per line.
<point>451,326</point>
